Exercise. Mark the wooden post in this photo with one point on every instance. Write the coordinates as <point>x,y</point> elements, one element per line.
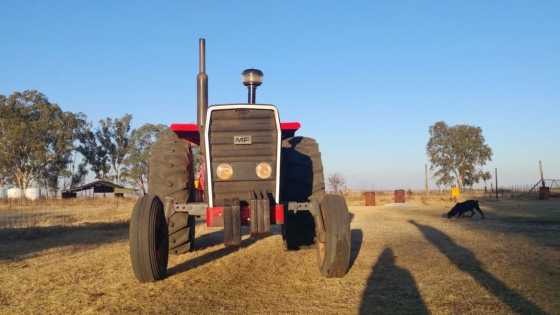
<point>542,174</point>
<point>426,179</point>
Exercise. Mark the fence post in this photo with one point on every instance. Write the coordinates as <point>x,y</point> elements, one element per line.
<point>497,190</point>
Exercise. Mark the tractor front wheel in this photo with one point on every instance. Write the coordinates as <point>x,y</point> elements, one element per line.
<point>333,248</point>
<point>148,239</point>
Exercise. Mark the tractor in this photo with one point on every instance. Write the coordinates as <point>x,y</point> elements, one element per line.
<point>238,165</point>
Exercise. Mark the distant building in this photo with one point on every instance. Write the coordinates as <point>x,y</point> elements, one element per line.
<point>98,188</point>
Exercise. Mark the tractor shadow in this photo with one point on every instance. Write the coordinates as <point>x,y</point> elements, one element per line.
<point>357,238</point>
<point>539,222</point>
<point>467,262</point>
<point>391,289</point>
<point>21,243</point>
<point>214,239</point>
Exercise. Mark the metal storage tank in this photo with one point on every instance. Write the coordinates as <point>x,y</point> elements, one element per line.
<point>32,193</point>
<point>14,193</point>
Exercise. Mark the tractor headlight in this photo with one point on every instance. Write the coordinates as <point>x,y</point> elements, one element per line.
<point>264,170</point>
<point>224,171</point>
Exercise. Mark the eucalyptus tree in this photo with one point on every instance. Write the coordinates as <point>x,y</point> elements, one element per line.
<point>36,137</point>
<point>136,163</point>
<point>457,154</point>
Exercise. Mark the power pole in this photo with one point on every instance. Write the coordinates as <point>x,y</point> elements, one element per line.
<point>496,176</point>
<point>426,179</point>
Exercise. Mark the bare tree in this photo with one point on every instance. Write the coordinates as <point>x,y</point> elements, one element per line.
<point>336,183</point>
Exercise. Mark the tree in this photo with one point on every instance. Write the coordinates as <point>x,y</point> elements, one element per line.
<point>113,136</point>
<point>36,138</point>
<point>136,163</point>
<point>65,127</point>
<point>93,152</point>
<point>121,134</point>
<point>336,183</point>
<point>457,153</point>
<point>79,175</point>
<point>485,176</point>
<point>4,179</point>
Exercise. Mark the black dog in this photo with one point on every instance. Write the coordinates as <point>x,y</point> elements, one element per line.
<point>461,208</point>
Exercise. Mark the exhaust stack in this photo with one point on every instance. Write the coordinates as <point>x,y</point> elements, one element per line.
<point>201,85</point>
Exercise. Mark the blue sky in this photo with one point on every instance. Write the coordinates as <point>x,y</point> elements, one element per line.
<point>366,79</point>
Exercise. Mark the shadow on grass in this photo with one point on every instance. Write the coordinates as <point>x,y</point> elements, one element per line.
<point>357,237</point>
<point>391,289</point>
<point>217,237</point>
<point>538,221</point>
<point>18,243</point>
<point>208,240</point>
<point>465,260</point>
<point>13,220</point>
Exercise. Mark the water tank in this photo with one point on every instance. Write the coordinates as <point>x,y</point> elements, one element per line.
<point>32,193</point>
<point>14,193</point>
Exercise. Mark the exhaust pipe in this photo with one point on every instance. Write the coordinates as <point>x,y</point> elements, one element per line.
<point>201,85</point>
<point>202,106</point>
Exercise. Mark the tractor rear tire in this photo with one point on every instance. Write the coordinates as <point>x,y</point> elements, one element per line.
<point>334,253</point>
<point>302,177</point>
<point>171,175</point>
<point>171,168</point>
<point>302,170</point>
<point>148,239</point>
<point>181,228</point>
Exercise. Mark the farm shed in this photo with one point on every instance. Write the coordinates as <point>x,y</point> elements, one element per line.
<point>97,187</point>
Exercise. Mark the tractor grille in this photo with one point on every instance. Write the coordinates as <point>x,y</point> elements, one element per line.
<point>227,126</point>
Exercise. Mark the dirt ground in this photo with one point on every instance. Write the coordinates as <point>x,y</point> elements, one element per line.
<point>405,259</point>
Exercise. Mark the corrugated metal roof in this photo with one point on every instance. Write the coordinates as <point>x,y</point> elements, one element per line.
<point>95,184</point>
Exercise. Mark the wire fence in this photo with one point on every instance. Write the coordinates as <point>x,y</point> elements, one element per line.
<point>518,192</point>
<point>22,213</point>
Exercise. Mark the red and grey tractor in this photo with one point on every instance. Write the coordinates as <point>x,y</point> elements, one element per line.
<point>237,166</point>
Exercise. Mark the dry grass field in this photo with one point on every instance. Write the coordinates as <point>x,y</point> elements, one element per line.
<point>406,259</point>
<point>44,213</point>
